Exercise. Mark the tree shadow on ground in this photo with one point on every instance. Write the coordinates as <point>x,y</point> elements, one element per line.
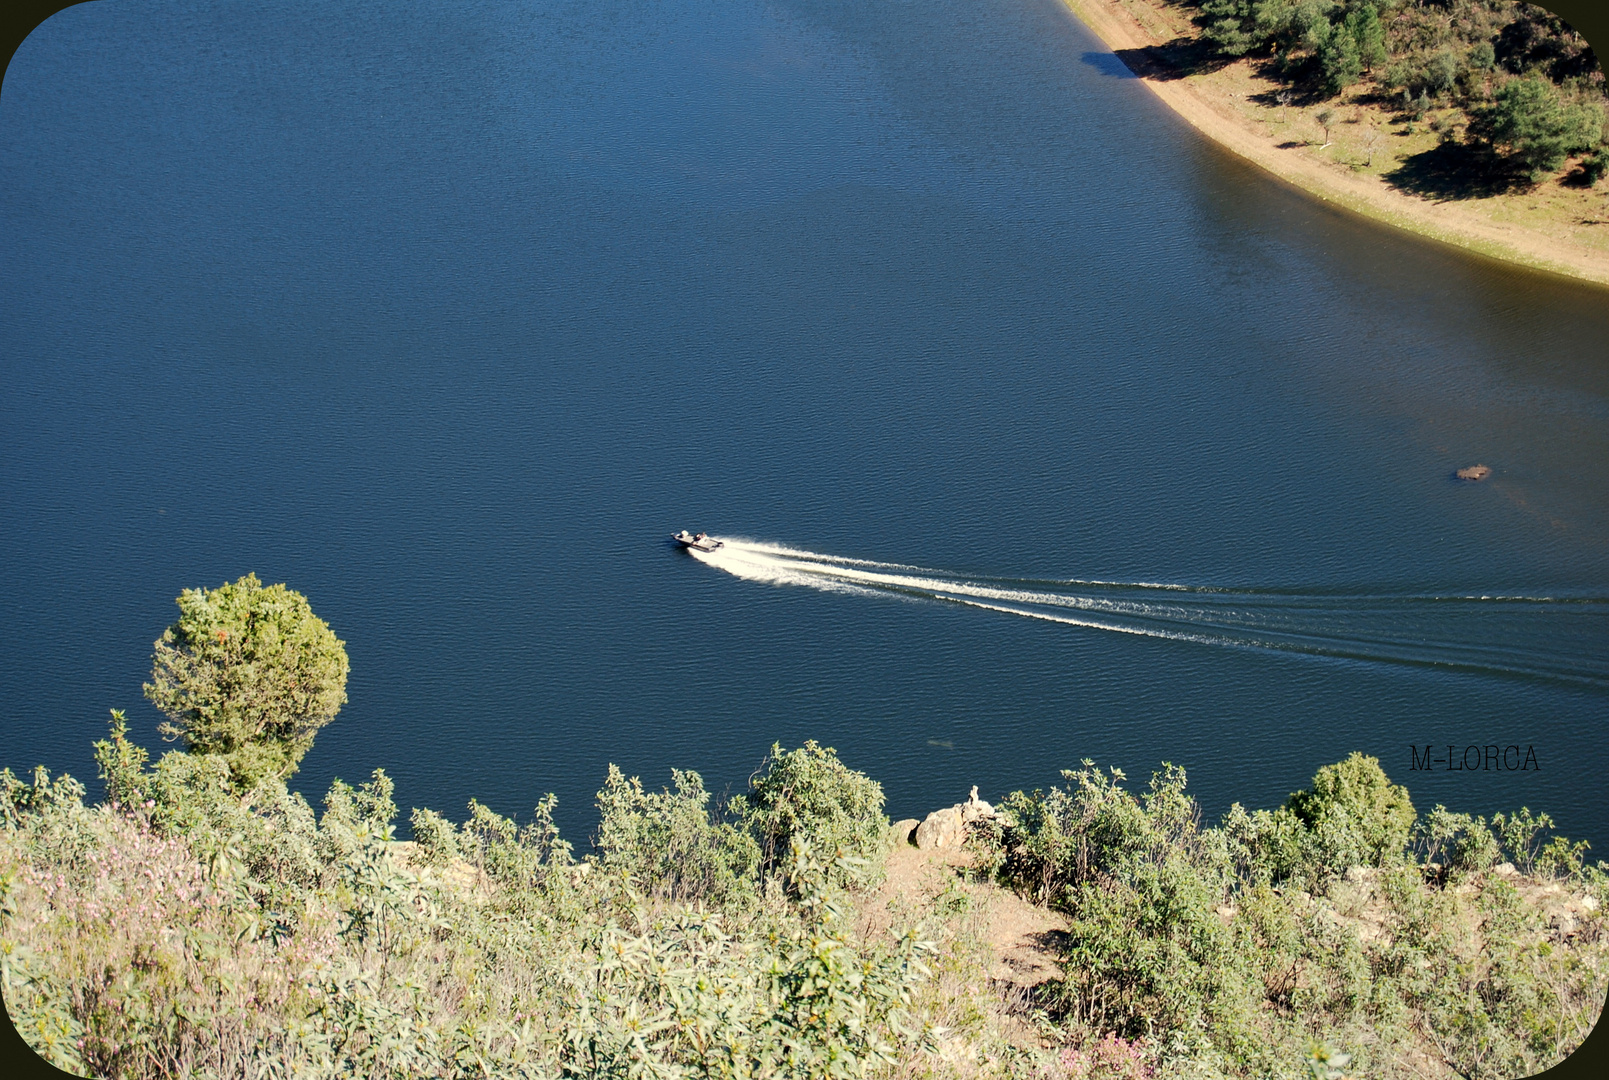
<point>1451,172</point>
<point>1300,93</point>
<point>1301,82</point>
<point>1296,97</point>
<point>1579,177</point>
<point>1176,59</point>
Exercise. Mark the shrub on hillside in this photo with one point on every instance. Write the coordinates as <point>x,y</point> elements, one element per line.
<point>127,949</point>
<point>1456,845</point>
<point>670,844</point>
<point>808,794</point>
<point>1238,944</point>
<point>521,859</point>
<point>1595,165</point>
<point>1140,884</point>
<point>435,837</point>
<point>1053,841</point>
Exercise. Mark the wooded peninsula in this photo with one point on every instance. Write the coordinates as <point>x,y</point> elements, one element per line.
<point>1477,122</point>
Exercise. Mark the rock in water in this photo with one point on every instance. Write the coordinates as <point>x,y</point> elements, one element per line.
<point>1474,472</point>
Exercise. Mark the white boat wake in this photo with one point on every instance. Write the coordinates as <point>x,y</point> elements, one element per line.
<point>1559,637</point>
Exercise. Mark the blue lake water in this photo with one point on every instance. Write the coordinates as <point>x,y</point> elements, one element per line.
<point>1040,428</point>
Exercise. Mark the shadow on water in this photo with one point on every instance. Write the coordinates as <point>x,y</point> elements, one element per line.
<point>1451,172</point>
<point>1108,64</point>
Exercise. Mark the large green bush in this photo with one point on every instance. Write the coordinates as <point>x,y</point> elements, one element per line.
<point>1140,884</point>
<point>808,794</point>
<point>1356,816</point>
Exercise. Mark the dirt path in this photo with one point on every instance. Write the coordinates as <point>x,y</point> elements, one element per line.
<point>1020,936</point>
<point>1216,105</point>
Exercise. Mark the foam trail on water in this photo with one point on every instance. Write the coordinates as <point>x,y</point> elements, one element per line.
<point>1469,631</point>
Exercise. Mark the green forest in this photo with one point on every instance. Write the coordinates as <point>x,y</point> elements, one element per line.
<point>1507,83</point>
<point>204,919</point>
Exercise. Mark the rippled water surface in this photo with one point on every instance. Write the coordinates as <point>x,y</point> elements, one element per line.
<point>1037,428</point>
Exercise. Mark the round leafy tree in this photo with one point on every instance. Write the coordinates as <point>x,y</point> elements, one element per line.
<point>248,673</point>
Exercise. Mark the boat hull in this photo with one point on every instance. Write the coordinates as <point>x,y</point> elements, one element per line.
<point>696,543</point>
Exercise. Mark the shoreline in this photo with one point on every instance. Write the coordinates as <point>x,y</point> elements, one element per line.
<point>1209,108</point>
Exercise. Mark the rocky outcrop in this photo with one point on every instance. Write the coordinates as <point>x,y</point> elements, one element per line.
<point>947,828</point>
<point>1474,472</point>
<point>942,829</point>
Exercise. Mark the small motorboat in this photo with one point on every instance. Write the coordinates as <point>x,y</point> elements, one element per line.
<point>698,542</point>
